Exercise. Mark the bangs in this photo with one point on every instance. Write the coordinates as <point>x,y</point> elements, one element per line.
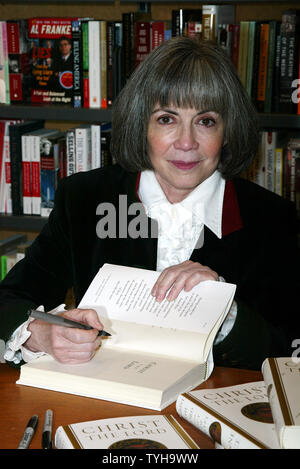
<point>191,83</point>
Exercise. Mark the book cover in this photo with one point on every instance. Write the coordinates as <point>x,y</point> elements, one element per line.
<point>49,147</point>
<point>5,188</point>
<point>103,64</point>
<point>279,171</point>
<point>52,60</point>
<point>250,59</point>
<point>140,363</point>
<point>20,78</point>
<point>77,64</point>
<point>282,378</point>
<point>15,149</point>
<point>136,432</point>
<point>235,417</point>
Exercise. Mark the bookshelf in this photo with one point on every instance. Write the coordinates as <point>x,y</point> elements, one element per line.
<point>112,10</point>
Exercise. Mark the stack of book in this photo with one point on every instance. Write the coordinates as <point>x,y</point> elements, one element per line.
<point>84,62</point>
<point>33,159</point>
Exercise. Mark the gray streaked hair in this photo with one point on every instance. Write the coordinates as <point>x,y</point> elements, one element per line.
<point>185,72</point>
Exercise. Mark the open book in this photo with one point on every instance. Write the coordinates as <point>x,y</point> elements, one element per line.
<point>156,350</point>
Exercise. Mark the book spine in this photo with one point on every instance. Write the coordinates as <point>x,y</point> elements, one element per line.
<point>49,178</point>
<point>13,45</point>
<point>235,45</point>
<point>270,138</point>
<point>77,64</point>
<point>142,41</point>
<point>26,174</point>
<point>250,61</point>
<point>276,396</point>
<point>82,145</point>
<point>243,51</point>
<point>289,59</point>
<point>96,146</point>
<point>270,66</point>
<point>36,174</point>
<point>157,33</point>
<point>71,152</point>
<point>128,44</point>
<point>4,69</point>
<point>110,53</point>
<point>94,65</point>
<point>278,171</point>
<point>263,64</point>
<point>103,64</point>
<point>208,22</point>
<point>276,78</point>
<point>85,63</point>
<point>203,418</point>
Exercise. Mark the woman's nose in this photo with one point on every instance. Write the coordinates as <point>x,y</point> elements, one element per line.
<point>186,140</point>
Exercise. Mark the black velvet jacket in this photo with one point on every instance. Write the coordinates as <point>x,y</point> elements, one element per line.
<point>258,252</point>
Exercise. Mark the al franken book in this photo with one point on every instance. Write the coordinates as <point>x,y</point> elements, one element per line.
<point>51,60</point>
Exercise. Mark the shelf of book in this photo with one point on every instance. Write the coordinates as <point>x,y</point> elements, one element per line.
<point>60,113</point>
<point>55,113</point>
<point>24,222</point>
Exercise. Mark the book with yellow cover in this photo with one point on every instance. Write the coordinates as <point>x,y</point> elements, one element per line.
<point>156,349</point>
<point>136,432</point>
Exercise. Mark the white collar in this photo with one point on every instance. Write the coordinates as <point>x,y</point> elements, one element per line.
<point>205,201</point>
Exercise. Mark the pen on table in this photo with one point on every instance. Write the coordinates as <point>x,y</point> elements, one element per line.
<point>47,430</point>
<point>28,433</point>
<point>61,321</point>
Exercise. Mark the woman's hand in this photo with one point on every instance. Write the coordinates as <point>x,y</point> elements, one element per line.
<point>179,277</point>
<point>67,345</point>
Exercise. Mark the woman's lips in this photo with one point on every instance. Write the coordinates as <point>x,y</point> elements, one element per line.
<point>184,165</point>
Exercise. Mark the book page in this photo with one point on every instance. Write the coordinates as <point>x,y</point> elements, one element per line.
<point>122,298</point>
<point>124,293</point>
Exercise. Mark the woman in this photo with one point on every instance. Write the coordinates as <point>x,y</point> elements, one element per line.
<point>183,130</point>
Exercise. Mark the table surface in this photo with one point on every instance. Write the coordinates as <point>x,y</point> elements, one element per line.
<point>18,403</point>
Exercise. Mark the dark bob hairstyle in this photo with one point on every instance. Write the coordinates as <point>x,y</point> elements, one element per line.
<point>185,72</point>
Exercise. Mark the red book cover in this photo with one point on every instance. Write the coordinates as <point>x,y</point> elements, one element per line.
<point>142,41</point>
<point>157,33</point>
<point>52,60</point>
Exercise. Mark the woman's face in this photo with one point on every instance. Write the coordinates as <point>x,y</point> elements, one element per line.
<point>184,146</point>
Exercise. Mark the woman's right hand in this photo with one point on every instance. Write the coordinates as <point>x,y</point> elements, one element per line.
<point>67,345</point>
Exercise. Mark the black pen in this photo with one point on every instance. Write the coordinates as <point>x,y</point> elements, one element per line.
<point>61,321</point>
<point>47,430</point>
<point>29,432</point>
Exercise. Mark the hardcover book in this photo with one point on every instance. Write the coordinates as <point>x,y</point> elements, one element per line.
<point>235,417</point>
<point>136,432</point>
<point>52,61</point>
<point>141,363</point>
<point>282,378</point>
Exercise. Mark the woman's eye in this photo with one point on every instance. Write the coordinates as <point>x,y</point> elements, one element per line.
<point>165,120</point>
<point>207,122</point>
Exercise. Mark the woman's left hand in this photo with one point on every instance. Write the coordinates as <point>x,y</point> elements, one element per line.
<point>179,277</point>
